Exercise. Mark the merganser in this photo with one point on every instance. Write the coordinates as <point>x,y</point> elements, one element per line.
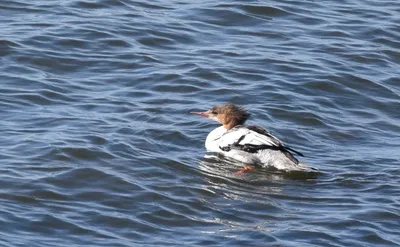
<point>250,144</point>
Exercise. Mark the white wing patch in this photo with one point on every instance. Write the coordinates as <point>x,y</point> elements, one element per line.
<point>250,137</point>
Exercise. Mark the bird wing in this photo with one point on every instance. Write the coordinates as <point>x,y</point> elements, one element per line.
<point>252,139</point>
<point>252,135</point>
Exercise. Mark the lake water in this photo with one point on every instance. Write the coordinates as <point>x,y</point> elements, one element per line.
<point>98,147</point>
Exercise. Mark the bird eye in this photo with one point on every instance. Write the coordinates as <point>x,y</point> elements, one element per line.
<point>214,112</point>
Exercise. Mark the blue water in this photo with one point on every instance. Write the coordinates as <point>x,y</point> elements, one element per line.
<point>98,147</point>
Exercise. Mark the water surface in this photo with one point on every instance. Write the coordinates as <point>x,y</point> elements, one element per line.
<point>99,148</point>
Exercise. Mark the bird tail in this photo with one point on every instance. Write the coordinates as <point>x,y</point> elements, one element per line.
<point>304,167</point>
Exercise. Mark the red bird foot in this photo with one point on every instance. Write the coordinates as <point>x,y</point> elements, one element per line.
<point>244,169</point>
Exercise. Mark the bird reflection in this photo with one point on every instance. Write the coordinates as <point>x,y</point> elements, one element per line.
<point>221,175</point>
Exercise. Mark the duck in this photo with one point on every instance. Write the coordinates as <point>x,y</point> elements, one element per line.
<point>252,145</point>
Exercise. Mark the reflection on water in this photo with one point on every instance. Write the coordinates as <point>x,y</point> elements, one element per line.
<point>220,174</point>
<point>217,164</point>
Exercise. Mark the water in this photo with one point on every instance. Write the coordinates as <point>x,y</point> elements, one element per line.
<point>98,147</point>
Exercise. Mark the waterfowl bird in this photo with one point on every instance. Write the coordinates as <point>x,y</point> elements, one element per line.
<point>250,144</point>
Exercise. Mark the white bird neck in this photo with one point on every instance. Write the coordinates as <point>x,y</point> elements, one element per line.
<point>212,139</point>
